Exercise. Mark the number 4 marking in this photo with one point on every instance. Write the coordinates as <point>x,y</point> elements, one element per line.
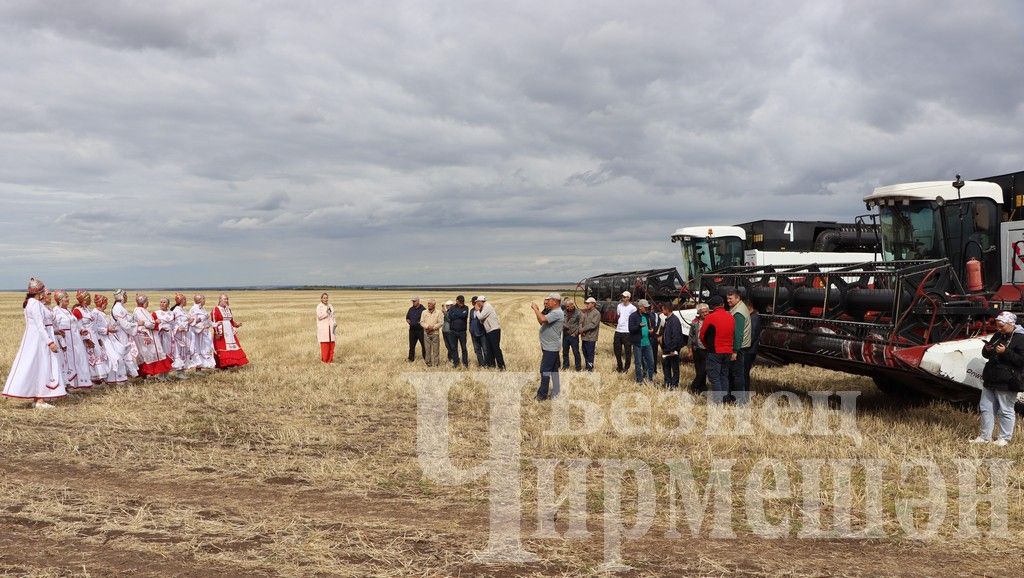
<point>788,231</point>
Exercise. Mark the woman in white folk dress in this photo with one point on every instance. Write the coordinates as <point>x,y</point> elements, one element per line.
<point>48,323</point>
<point>153,359</point>
<point>182,356</point>
<point>201,342</point>
<point>165,329</point>
<point>105,329</point>
<point>73,356</point>
<point>35,373</point>
<point>98,364</point>
<point>125,332</point>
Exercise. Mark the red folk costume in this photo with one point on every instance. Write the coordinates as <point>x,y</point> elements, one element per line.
<point>226,348</point>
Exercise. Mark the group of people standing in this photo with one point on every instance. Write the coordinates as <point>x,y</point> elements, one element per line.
<point>724,346</point>
<point>429,325</point>
<point>722,343</point>
<point>73,349</point>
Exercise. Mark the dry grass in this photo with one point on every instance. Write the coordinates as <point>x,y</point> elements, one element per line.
<point>291,467</point>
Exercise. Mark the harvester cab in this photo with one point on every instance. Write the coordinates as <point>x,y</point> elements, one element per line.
<point>708,249</point>
<point>958,221</point>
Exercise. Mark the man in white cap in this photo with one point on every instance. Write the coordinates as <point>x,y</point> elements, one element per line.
<point>622,345</point>
<point>476,331</point>
<point>590,325</point>
<point>641,329</point>
<point>412,318</point>
<point>492,331</point>
<point>1001,378</point>
<point>551,319</point>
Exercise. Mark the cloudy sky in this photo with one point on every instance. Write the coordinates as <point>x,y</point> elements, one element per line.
<point>232,143</point>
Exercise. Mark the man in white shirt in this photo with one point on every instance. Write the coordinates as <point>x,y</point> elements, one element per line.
<point>622,345</point>
<point>492,328</point>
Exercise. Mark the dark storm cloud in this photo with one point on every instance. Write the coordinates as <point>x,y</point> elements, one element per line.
<point>379,142</point>
<point>121,24</point>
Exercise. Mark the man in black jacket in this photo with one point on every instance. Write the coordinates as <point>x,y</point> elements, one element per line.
<point>641,335</point>
<point>672,342</point>
<point>1002,380</point>
<point>458,317</point>
<point>412,317</point>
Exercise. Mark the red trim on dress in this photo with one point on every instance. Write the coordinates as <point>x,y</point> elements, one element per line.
<point>155,368</point>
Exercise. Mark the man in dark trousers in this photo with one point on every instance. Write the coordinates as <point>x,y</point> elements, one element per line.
<point>717,334</point>
<point>672,342</point>
<point>412,317</point>
<point>622,342</point>
<point>458,315</point>
<point>571,334</point>
<point>476,331</point>
<point>641,337</point>
<point>590,326</point>
<point>551,319</point>
<point>699,352</point>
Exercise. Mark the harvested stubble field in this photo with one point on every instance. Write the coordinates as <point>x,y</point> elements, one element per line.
<point>291,467</point>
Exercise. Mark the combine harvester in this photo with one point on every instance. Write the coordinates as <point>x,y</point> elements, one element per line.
<point>915,322</point>
<point>710,248</point>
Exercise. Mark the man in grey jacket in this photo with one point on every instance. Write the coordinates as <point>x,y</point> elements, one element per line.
<point>570,333</point>
<point>590,325</point>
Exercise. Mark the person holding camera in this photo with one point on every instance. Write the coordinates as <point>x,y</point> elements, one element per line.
<point>1002,380</point>
<point>551,320</point>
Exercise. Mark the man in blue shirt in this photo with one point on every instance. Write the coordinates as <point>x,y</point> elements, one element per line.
<point>551,320</point>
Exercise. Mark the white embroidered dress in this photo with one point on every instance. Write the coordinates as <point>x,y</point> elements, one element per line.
<point>180,338</point>
<point>112,347</point>
<point>200,340</point>
<point>152,358</point>
<point>35,372</point>
<point>99,366</point>
<point>125,335</point>
<point>73,357</point>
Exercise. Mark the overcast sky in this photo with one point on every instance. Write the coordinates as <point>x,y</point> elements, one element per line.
<point>233,143</point>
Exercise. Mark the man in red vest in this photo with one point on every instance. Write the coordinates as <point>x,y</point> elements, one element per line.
<point>717,334</point>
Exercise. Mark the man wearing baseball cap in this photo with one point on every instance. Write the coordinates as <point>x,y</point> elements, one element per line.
<point>551,319</point>
<point>571,334</point>
<point>621,344</point>
<point>476,331</point>
<point>492,331</point>
<point>590,325</point>
<point>641,331</point>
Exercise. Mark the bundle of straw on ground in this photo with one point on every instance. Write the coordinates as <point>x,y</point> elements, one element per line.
<point>293,467</point>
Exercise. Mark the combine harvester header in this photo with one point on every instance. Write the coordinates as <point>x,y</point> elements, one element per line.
<point>916,321</point>
<point>712,247</point>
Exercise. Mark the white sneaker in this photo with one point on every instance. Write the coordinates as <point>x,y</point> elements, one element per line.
<point>42,405</point>
<point>1001,443</point>
<point>979,440</point>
